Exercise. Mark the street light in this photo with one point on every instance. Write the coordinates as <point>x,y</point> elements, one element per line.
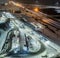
<point>36,9</point>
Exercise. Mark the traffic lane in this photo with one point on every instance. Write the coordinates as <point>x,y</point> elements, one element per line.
<point>27,18</point>
<point>38,54</point>
<point>49,34</point>
<point>49,21</point>
<point>43,17</point>
<point>27,28</point>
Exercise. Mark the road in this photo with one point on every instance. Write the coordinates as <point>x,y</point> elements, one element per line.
<point>51,49</point>
<point>48,35</point>
<point>52,26</point>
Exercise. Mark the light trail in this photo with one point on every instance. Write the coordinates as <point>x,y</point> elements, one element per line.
<point>16,4</point>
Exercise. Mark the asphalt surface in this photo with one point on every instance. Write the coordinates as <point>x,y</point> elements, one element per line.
<point>51,47</point>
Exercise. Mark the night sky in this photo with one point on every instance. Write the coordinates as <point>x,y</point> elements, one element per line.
<point>43,2</point>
